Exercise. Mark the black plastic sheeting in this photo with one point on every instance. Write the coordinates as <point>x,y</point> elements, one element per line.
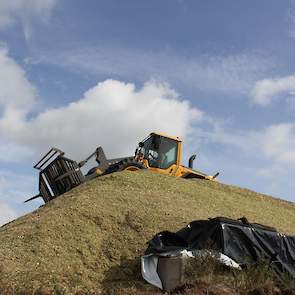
<point>245,243</point>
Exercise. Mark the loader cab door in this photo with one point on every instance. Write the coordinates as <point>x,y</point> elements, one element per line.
<point>161,152</point>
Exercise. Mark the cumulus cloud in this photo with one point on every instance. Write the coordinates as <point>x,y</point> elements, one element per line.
<point>275,147</point>
<point>17,98</point>
<point>14,153</point>
<point>16,92</point>
<point>24,11</point>
<point>266,90</point>
<point>112,113</point>
<point>278,143</point>
<point>271,152</point>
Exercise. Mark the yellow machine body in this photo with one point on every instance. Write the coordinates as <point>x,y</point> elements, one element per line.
<point>176,168</point>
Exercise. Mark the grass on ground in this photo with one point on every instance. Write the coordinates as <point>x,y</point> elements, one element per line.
<point>90,239</point>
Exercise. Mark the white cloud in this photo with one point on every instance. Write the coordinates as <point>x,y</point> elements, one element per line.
<point>278,143</point>
<point>17,98</point>
<point>265,91</point>
<point>15,187</point>
<point>270,152</point>
<point>262,159</point>
<point>113,114</point>
<point>231,74</point>
<point>14,153</point>
<point>275,143</point>
<point>16,92</point>
<point>24,11</point>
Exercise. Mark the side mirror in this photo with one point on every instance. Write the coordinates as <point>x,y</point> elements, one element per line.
<point>141,144</point>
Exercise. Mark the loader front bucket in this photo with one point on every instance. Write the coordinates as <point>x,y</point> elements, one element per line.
<point>58,175</point>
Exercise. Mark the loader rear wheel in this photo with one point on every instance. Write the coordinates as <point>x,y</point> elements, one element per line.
<point>132,168</point>
<point>128,165</point>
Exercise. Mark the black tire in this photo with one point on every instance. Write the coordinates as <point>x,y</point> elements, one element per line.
<point>91,171</point>
<point>126,164</point>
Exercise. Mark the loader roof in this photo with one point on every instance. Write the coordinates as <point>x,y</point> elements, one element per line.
<point>168,136</point>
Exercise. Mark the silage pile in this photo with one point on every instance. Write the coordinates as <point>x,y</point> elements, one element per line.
<point>91,238</point>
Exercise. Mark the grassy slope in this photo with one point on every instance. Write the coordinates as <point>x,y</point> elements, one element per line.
<point>90,237</point>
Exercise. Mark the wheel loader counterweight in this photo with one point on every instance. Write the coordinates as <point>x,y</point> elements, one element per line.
<point>158,152</point>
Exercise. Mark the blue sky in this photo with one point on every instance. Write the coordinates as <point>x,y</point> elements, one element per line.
<point>220,74</point>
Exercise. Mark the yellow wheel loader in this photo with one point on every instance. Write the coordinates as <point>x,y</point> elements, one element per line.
<point>158,152</point>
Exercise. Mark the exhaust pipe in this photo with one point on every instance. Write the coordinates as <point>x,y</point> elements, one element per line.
<point>191,161</point>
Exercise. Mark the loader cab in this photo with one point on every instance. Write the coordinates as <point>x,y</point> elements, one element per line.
<point>160,151</point>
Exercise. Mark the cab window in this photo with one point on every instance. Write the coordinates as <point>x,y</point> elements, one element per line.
<point>163,155</point>
<point>169,152</point>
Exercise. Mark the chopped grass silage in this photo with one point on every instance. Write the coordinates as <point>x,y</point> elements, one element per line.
<point>91,238</point>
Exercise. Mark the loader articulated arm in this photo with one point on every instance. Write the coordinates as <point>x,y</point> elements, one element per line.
<point>100,158</point>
